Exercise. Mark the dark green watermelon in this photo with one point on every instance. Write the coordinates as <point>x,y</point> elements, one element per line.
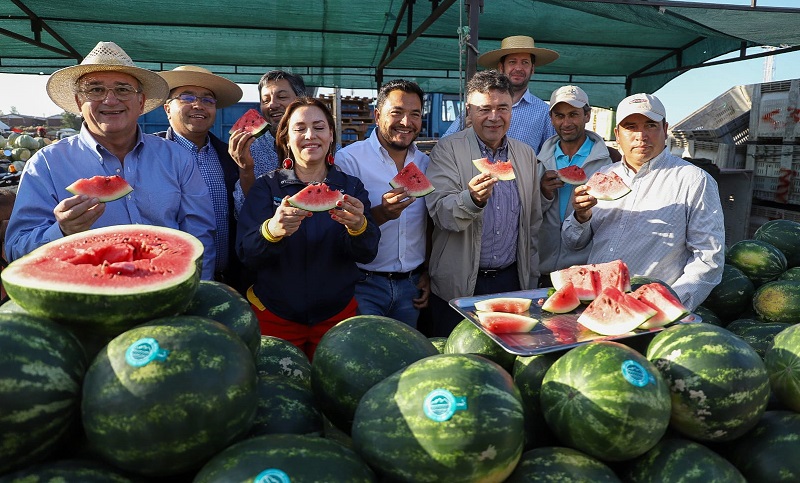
<point>448,417</point>
<point>708,316</point>
<point>758,260</point>
<point>778,301</point>
<point>467,338</point>
<point>279,357</point>
<point>718,383</point>
<point>554,464</point>
<point>356,354</point>
<point>759,335</point>
<point>783,235</point>
<point>681,460</point>
<point>639,280</point>
<point>791,274</point>
<point>732,296</point>
<point>285,407</point>
<point>606,400</point>
<point>528,373</point>
<point>439,343</point>
<point>783,366</point>
<point>69,471</point>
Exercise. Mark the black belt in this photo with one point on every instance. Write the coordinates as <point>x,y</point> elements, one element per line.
<point>397,275</point>
<point>493,272</point>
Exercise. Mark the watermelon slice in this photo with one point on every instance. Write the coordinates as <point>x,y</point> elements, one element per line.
<point>509,305</point>
<point>572,175</point>
<point>502,170</point>
<point>612,313</point>
<point>563,300</point>
<point>668,307</point>
<point>503,323</point>
<point>585,280</point>
<point>613,274</point>
<point>413,180</point>
<point>253,122</point>
<point>104,188</point>
<point>316,197</point>
<point>607,187</point>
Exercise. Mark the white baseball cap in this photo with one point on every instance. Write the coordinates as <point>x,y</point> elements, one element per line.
<point>644,104</point>
<point>572,95</point>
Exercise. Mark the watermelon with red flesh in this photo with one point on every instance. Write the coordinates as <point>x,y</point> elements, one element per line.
<point>613,274</point>
<point>572,175</point>
<point>504,323</point>
<point>562,300</point>
<point>253,122</point>
<point>502,170</point>
<point>413,180</point>
<point>316,197</point>
<point>585,280</point>
<point>510,305</point>
<point>669,308</point>
<point>104,188</point>
<point>614,313</point>
<point>607,186</point>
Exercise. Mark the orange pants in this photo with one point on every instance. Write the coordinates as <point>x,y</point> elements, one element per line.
<point>306,337</point>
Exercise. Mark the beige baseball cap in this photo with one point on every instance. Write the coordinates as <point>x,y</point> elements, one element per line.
<point>644,104</point>
<point>572,95</point>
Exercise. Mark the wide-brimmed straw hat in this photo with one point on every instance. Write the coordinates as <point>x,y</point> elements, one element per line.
<point>105,56</point>
<point>226,92</point>
<point>515,45</point>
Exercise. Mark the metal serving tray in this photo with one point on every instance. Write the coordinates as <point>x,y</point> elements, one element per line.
<point>554,332</point>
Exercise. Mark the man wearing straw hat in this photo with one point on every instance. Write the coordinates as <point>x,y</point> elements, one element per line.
<point>517,58</point>
<point>110,92</point>
<point>195,94</point>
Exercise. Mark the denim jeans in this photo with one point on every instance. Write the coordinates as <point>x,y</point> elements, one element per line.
<point>377,295</point>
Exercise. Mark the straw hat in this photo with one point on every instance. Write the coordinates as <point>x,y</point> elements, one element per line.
<point>106,56</point>
<point>514,45</point>
<point>226,92</point>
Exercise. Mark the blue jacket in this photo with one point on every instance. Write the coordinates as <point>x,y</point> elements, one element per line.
<point>311,275</point>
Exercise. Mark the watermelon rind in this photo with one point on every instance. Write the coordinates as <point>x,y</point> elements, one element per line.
<point>512,305</point>
<point>413,180</point>
<point>528,373</point>
<point>78,470</point>
<point>607,186</point>
<point>760,261</point>
<point>110,304</point>
<point>778,301</point>
<point>760,335</point>
<point>253,122</point>
<point>783,235</point>
<point>285,406</point>
<point>732,296</point>
<point>563,300</point>
<point>468,338</point>
<point>448,417</point>
<point>279,357</point>
<point>104,188</point>
<point>557,463</point>
<point>316,197</point>
<point>678,459</point>
<point>502,170</point>
<point>783,366</point>
<point>506,323</point>
<point>669,308</point>
<point>612,313</point>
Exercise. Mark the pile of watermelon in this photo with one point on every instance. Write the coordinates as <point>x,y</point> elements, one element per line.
<point>198,395</point>
<point>17,149</point>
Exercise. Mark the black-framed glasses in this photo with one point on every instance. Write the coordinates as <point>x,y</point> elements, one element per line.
<point>191,99</point>
<point>99,93</point>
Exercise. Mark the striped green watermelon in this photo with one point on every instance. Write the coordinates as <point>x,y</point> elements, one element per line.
<point>783,235</point>
<point>758,260</point>
<point>439,343</point>
<point>778,301</point>
<point>284,458</point>
<point>791,274</point>
<point>220,302</point>
<point>639,280</point>
<point>279,357</point>
<point>168,394</point>
<point>554,464</point>
<point>769,452</point>
<point>355,355</point>
<point>41,368</point>
<point>607,400</point>
<point>708,316</point>
<point>680,460</point>
<point>719,384</point>
<point>68,471</point>
<point>732,296</point>
<point>285,407</point>
<point>467,338</point>
<point>108,279</point>
<point>528,373</point>
<point>759,335</point>
<point>783,366</point>
<point>448,417</point>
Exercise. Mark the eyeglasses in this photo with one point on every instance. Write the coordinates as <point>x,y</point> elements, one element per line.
<point>99,93</point>
<point>190,99</point>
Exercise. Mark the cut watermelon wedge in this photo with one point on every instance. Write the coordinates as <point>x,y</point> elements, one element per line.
<point>104,188</point>
<point>607,187</point>
<point>316,197</point>
<point>572,175</point>
<point>668,307</point>
<point>613,314</point>
<point>503,323</point>
<point>502,170</point>
<point>509,305</point>
<point>585,280</point>
<point>413,180</point>
<point>563,300</point>
<point>253,122</point>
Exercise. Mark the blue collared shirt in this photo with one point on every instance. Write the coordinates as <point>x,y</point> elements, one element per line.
<point>500,217</point>
<point>562,161</point>
<point>530,122</point>
<point>168,190</point>
<point>265,159</point>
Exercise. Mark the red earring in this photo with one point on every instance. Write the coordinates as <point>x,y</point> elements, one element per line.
<point>329,159</point>
<point>288,163</point>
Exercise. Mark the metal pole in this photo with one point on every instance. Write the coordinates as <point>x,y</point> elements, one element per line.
<point>474,9</point>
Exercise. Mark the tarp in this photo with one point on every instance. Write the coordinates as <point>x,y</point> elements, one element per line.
<point>608,47</point>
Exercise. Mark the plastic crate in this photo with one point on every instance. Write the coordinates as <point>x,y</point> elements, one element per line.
<point>761,214</point>
<point>725,119</point>
<point>775,114</point>
<point>723,155</point>
<point>767,162</point>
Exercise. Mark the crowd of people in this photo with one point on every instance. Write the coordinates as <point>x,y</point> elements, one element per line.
<point>381,251</point>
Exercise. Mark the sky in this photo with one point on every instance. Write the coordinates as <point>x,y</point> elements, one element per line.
<point>682,96</point>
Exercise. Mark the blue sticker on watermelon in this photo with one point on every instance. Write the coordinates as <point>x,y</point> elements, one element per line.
<point>272,475</point>
<point>636,374</point>
<point>440,405</point>
<point>144,351</point>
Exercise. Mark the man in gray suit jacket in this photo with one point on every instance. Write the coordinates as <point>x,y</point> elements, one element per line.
<point>485,236</point>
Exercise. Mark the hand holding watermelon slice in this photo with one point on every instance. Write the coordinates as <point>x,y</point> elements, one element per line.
<point>413,180</point>
<point>104,188</point>
<point>502,170</point>
<point>574,175</point>
<point>607,186</point>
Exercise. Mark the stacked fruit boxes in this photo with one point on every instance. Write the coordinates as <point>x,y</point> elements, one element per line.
<point>354,114</point>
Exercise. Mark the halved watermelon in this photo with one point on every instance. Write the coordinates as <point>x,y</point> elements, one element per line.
<point>503,323</point>
<point>669,308</point>
<point>585,280</point>
<point>502,170</point>
<point>413,180</point>
<point>613,314</point>
<point>572,175</point>
<point>563,300</point>
<point>607,187</point>
<point>509,305</point>
<point>104,188</point>
<point>316,197</point>
<point>253,122</point>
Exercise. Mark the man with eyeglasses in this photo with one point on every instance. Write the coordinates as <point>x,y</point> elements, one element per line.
<point>485,235</point>
<point>194,97</point>
<point>110,92</point>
